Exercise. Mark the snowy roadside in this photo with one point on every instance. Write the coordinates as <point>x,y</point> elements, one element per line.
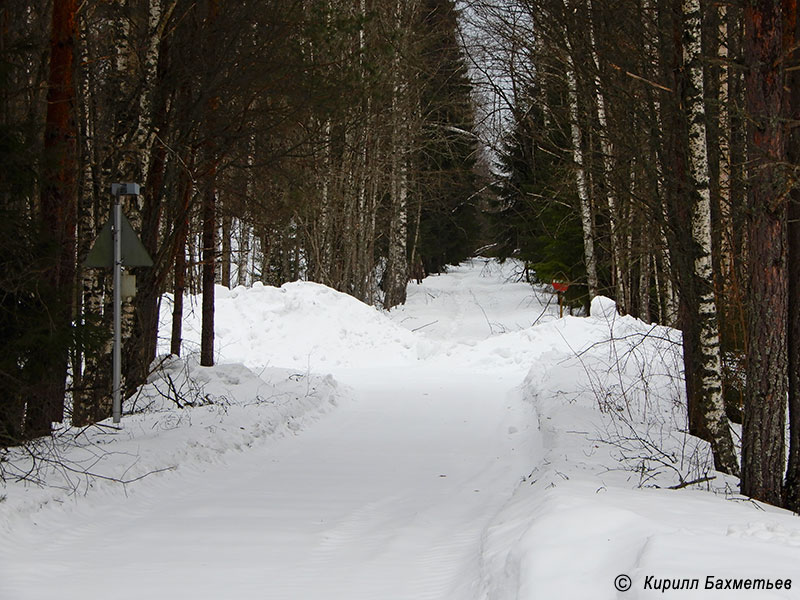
<point>611,510</point>
<point>276,347</point>
<point>417,482</point>
<point>186,417</point>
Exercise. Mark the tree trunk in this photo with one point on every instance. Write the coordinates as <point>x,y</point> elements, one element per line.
<point>90,282</point>
<point>396,275</point>
<point>724,144</point>
<point>763,453</point>
<point>142,348</point>
<point>181,233</point>
<point>708,394</point>
<point>209,216</point>
<point>243,255</point>
<point>791,37</point>
<point>589,257</point>
<point>680,198</point>
<point>58,219</point>
<point>179,292</point>
<point>645,272</point>
<point>617,251</point>
<point>226,258</point>
<point>150,280</point>
<point>209,270</point>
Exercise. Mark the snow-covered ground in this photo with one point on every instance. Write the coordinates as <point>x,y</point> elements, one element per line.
<point>468,445</point>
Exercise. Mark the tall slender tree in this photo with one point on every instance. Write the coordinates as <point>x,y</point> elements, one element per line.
<point>791,37</point>
<point>763,454</point>
<point>707,405</point>
<point>58,218</point>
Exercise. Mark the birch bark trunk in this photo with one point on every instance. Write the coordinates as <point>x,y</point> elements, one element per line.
<point>589,257</point>
<point>367,206</point>
<point>90,281</point>
<point>243,256</point>
<point>396,275</point>
<point>708,391</point>
<point>226,256</point>
<point>607,151</point>
<point>724,144</point>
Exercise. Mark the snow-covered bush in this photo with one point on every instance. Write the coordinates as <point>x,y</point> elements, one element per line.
<point>620,381</point>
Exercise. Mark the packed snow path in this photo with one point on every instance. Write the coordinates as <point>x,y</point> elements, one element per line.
<point>388,496</point>
<point>398,475</point>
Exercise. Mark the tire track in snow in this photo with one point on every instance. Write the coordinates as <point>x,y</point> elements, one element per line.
<point>377,500</point>
<point>423,543</point>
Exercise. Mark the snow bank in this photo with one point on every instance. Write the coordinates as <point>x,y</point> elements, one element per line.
<point>479,314</point>
<point>595,514</point>
<point>603,308</point>
<point>299,325</point>
<point>575,537</point>
<point>187,416</point>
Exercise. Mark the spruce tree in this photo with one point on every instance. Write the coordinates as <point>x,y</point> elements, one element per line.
<point>448,217</point>
<point>538,217</point>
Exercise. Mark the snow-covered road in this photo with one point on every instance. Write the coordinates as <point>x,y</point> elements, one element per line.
<point>387,497</point>
<point>338,452</point>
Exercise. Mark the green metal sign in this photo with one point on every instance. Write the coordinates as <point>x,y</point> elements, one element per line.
<point>134,253</point>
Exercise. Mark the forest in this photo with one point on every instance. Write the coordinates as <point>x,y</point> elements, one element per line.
<point>644,150</point>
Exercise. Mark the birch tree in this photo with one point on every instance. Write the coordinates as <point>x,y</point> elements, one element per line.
<point>708,391</point>
<point>618,256</point>
<point>587,221</point>
<point>396,274</point>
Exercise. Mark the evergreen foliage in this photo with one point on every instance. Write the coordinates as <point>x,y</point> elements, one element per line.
<point>446,189</point>
<point>536,219</point>
<point>323,141</point>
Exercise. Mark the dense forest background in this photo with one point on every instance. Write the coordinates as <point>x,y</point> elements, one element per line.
<point>329,141</point>
<point>642,149</point>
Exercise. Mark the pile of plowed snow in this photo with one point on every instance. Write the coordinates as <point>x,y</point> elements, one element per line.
<point>457,319</point>
<point>299,325</point>
<point>185,417</point>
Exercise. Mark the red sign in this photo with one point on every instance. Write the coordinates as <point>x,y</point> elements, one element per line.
<point>560,286</point>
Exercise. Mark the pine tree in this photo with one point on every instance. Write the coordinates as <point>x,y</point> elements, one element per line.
<point>791,36</point>
<point>57,221</point>
<point>763,454</point>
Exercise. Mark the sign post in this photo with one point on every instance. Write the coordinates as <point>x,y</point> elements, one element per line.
<point>117,190</point>
<point>561,288</point>
<point>116,406</point>
<point>118,246</point>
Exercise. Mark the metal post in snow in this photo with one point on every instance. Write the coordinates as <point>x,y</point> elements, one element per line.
<point>561,288</point>
<point>117,190</point>
<point>116,410</point>
<point>118,246</point>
